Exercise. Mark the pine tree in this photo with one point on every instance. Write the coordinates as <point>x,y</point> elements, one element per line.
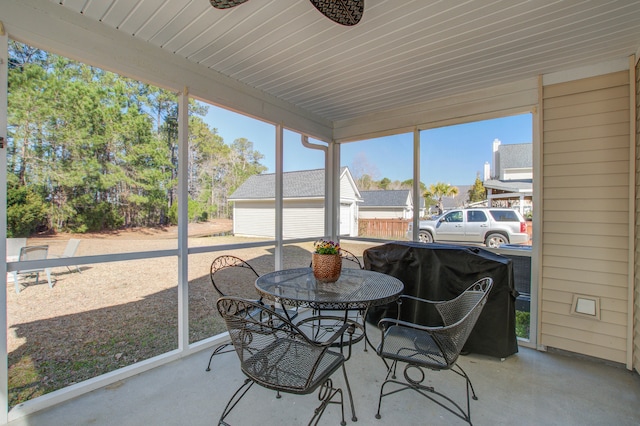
<point>477,192</point>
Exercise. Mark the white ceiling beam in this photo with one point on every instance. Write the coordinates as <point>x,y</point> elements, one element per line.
<point>510,98</point>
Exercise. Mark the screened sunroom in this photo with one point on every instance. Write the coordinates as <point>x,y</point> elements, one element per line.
<point>321,90</point>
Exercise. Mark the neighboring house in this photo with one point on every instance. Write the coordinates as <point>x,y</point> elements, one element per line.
<point>511,180</point>
<point>392,204</point>
<point>457,201</point>
<point>303,205</point>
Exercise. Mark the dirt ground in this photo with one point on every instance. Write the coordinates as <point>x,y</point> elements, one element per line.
<point>115,314</point>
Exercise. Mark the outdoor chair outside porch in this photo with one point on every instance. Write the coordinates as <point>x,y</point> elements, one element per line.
<point>13,248</point>
<point>70,251</point>
<point>32,253</point>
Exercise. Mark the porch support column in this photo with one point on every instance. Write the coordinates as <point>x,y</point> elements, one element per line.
<point>522,204</point>
<point>304,140</point>
<point>332,196</point>
<point>279,196</point>
<point>631,268</point>
<point>4,381</point>
<point>183,220</point>
<point>416,184</point>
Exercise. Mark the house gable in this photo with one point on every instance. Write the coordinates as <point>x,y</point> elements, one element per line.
<point>381,204</point>
<point>393,198</point>
<point>296,184</point>
<point>303,207</point>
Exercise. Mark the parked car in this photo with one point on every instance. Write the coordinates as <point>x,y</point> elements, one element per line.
<point>491,226</point>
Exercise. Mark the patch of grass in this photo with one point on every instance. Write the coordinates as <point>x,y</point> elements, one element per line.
<point>24,381</point>
<point>37,369</point>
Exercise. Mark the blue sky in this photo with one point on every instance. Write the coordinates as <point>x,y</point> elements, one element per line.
<point>453,154</point>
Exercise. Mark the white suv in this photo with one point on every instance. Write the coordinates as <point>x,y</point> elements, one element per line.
<point>491,226</point>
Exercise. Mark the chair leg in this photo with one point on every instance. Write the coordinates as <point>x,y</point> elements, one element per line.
<point>237,396</point>
<point>77,269</point>
<point>390,372</point>
<point>346,381</point>
<point>48,272</point>
<point>15,281</point>
<point>430,392</point>
<point>363,313</point>
<point>326,395</point>
<point>463,374</point>
<point>466,377</point>
<point>217,351</point>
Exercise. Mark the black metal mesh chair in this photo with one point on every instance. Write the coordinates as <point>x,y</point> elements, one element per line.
<point>235,282</point>
<point>347,255</point>
<point>232,276</point>
<point>275,354</point>
<point>432,347</point>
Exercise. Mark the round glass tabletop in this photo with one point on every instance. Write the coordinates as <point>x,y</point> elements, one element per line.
<point>355,289</point>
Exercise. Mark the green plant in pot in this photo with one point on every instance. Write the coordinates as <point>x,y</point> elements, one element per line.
<point>326,261</point>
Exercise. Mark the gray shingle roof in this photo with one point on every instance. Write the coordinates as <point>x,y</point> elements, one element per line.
<point>459,200</point>
<point>518,155</point>
<point>381,198</point>
<point>298,184</point>
<point>524,185</point>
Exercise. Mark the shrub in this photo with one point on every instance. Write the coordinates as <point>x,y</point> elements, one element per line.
<point>101,216</point>
<point>523,320</point>
<point>26,210</point>
<point>196,212</point>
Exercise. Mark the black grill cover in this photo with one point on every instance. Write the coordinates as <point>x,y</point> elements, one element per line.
<point>442,272</point>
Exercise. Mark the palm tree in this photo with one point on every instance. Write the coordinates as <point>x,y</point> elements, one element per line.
<point>438,191</point>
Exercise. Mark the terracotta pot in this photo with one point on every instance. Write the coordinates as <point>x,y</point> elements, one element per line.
<point>326,267</point>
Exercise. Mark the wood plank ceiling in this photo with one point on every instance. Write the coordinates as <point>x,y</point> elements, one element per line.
<point>401,52</point>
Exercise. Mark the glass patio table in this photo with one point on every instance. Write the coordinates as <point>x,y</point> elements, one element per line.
<point>355,290</point>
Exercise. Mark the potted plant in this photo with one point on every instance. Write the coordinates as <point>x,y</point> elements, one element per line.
<point>326,261</point>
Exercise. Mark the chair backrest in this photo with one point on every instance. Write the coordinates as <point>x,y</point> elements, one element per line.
<point>71,248</point>
<point>460,316</point>
<point>232,276</point>
<point>267,343</point>
<point>14,245</point>
<point>33,253</point>
<point>347,255</point>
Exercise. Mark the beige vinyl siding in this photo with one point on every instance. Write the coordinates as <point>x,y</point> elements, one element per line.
<point>300,218</point>
<point>372,213</point>
<point>586,214</point>
<point>346,189</point>
<point>348,220</point>
<point>254,218</point>
<point>636,316</point>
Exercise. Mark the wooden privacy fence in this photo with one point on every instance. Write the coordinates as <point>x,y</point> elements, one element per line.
<point>389,229</point>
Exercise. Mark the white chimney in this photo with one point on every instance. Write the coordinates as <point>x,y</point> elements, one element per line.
<point>487,171</point>
<point>495,173</point>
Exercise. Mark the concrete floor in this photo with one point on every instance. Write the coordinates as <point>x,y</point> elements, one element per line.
<point>529,388</point>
